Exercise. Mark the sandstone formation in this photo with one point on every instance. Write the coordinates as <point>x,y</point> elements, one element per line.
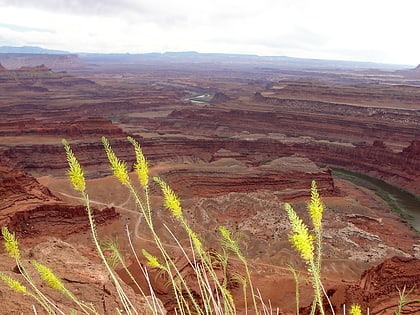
<point>31,210</point>
<point>290,176</point>
<point>35,68</point>
<point>70,127</point>
<point>379,287</point>
<point>38,78</point>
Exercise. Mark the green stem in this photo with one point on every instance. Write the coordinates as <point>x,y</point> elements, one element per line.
<point>317,287</point>
<point>128,306</point>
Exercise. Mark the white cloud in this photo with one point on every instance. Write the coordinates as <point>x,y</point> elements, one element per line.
<point>373,30</point>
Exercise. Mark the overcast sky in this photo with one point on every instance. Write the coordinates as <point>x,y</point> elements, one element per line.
<point>366,30</point>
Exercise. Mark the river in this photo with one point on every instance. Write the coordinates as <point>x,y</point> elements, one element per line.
<point>401,201</point>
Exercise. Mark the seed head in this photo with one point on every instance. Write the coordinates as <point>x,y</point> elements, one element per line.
<point>198,245</point>
<point>13,284</point>
<point>10,243</point>
<point>75,171</point>
<point>152,261</point>
<point>300,238</point>
<point>355,310</point>
<point>315,207</point>
<point>172,201</point>
<point>48,276</point>
<point>118,167</point>
<point>141,166</point>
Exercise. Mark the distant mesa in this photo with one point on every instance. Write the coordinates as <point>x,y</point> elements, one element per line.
<point>14,61</point>
<point>2,68</point>
<point>35,68</point>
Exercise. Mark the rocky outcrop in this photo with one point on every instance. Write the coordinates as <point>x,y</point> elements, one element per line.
<point>67,127</point>
<point>16,188</point>
<point>30,209</point>
<point>290,176</point>
<point>379,288</point>
<point>219,97</point>
<point>35,68</point>
<point>60,220</point>
<point>413,149</point>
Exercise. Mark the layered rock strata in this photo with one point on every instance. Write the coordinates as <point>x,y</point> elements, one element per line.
<point>401,168</point>
<point>30,209</point>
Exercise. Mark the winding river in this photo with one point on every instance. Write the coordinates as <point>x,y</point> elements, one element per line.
<point>401,201</point>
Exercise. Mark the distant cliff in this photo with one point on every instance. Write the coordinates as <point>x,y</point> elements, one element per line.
<point>13,61</point>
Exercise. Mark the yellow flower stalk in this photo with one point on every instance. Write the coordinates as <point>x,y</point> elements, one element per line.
<point>315,207</point>
<point>306,243</point>
<point>118,167</point>
<point>228,241</point>
<point>198,245</point>
<point>13,284</point>
<point>152,261</point>
<point>172,201</point>
<point>355,310</point>
<point>141,166</point>
<point>75,171</point>
<point>48,276</point>
<point>301,239</point>
<point>10,243</point>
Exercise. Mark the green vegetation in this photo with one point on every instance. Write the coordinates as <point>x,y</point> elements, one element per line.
<point>210,267</point>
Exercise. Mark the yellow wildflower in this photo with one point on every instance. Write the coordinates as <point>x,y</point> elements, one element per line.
<point>13,284</point>
<point>315,207</point>
<point>355,310</point>
<point>10,243</point>
<point>171,199</point>
<point>75,171</point>
<point>227,238</point>
<point>141,166</point>
<point>301,239</point>
<point>118,167</point>
<point>225,232</point>
<point>228,295</point>
<point>152,261</point>
<point>194,237</point>
<point>49,277</point>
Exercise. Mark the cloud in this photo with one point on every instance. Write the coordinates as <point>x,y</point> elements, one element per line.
<point>366,30</point>
<point>79,7</point>
<point>20,28</point>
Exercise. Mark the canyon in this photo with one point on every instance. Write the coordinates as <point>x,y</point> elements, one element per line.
<point>263,131</point>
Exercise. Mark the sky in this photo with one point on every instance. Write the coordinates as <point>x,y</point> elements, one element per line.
<point>361,30</point>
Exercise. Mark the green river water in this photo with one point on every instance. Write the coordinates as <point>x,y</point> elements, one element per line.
<point>401,201</point>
